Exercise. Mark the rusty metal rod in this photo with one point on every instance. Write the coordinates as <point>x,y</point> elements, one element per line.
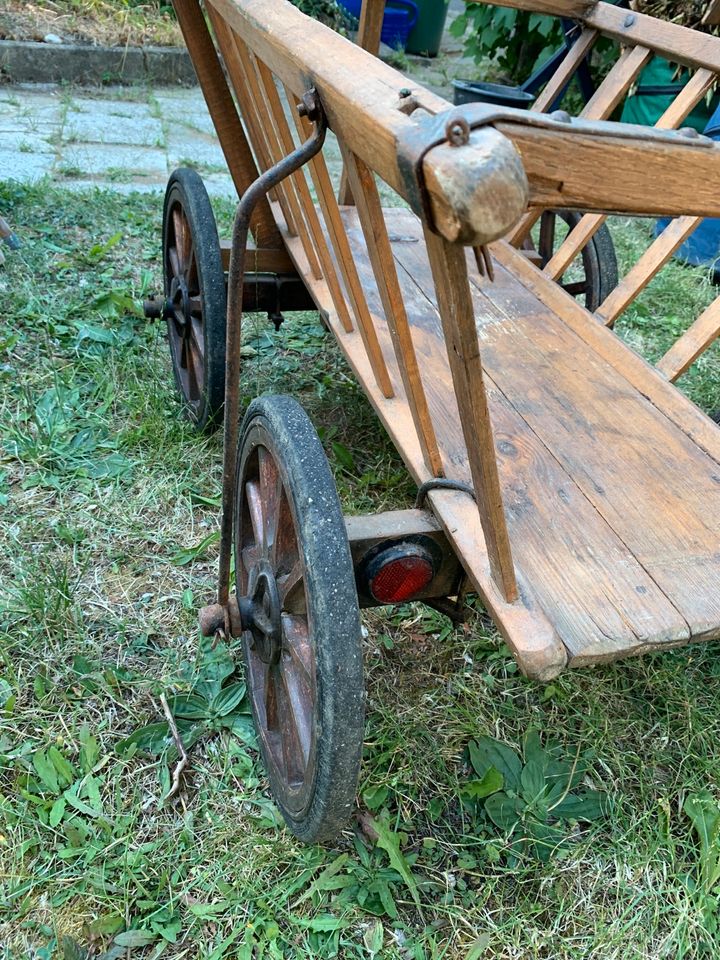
<point>312,109</point>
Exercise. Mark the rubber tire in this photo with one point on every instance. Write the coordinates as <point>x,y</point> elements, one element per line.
<point>187,186</point>
<point>599,261</point>
<point>332,607</point>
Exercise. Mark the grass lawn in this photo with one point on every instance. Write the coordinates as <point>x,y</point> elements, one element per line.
<point>108,520</point>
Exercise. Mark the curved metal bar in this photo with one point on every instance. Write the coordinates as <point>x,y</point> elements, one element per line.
<point>312,109</point>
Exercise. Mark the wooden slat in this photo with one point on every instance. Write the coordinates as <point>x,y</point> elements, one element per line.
<point>343,255</point>
<point>584,231</point>
<point>565,72</point>
<point>277,122</point>
<point>450,277</point>
<point>248,108</point>
<point>609,93</point>
<point>367,201</point>
<point>685,351</point>
<point>228,127</point>
<point>649,264</point>
<point>676,43</point>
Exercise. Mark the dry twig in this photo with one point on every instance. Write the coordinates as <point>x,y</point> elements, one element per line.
<point>184,760</point>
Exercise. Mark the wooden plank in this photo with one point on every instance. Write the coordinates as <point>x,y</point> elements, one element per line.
<point>343,255</point>
<point>685,351</point>
<point>582,170</point>
<point>450,277</point>
<point>224,115</point>
<point>676,43</point>
<point>611,90</point>
<point>360,94</point>
<point>644,377</point>
<point>585,230</point>
<point>369,31</point>
<point>649,264</point>
<point>260,259</point>
<point>248,108</point>
<point>379,251</point>
<point>566,71</point>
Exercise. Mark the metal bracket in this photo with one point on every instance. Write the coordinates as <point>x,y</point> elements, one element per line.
<point>455,126</point>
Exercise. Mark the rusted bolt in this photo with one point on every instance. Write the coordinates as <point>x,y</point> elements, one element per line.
<point>310,105</point>
<point>211,618</point>
<point>629,20</point>
<point>560,116</point>
<point>457,131</point>
<point>405,92</point>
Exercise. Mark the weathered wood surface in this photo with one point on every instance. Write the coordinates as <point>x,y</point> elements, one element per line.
<point>696,339</point>
<point>361,97</point>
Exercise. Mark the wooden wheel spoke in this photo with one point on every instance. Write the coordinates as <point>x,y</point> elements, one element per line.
<point>296,645</point>
<point>197,334</point>
<point>254,501</point>
<point>300,701</point>
<point>291,587</point>
<point>576,288</point>
<point>249,556</point>
<point>194,368</point>
<point>174,261</point>
<point>284,553</point>
<point>195,304</point>
<point>291,722</point>
<point>182,238</point>
<point>270,495</point>
<point>191,270</point>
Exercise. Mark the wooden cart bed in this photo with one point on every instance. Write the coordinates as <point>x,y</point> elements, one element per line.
<point>608,500</point>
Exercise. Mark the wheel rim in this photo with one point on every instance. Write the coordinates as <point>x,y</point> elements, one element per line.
<point>183,306</point>
<point>280,661</point>
<point>582,281</point>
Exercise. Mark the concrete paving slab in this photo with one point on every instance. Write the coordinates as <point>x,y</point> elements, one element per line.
<point>25,166</point>
<point>201,150</point>
<point>101,121</point>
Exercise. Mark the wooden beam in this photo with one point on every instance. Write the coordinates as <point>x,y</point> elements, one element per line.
<point>696,339</point>
<point>260,259</point>
<point>360,94</point>
<point>455,305</point>
<point>367,200</point>
<point>584,170</point>
<point>224,115</point>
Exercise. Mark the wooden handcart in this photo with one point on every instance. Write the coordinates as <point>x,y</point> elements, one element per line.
<point>565,478</point>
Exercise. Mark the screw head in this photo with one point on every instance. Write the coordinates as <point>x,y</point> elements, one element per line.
<point>405,92</point>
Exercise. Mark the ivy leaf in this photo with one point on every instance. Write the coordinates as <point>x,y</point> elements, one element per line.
<point>486,753</point>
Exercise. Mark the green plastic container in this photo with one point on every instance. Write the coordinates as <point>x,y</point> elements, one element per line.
<point>427,33</point>
<point>658,85</point>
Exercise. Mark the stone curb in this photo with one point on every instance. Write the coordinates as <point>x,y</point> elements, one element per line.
<point>23,61</point>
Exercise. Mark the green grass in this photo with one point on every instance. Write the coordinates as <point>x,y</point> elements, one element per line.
<point>105,490</point>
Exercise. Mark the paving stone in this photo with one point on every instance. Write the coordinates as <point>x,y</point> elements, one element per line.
<point>202,150</point>
<point>25,166</point>
<point>114,121</point>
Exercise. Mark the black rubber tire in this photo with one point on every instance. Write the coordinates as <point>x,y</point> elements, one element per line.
<point>598,258</point>
<point>186,188</point>
<point>323,805</point>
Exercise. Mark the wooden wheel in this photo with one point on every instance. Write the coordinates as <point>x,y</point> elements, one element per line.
<point>194,298</point>
<point>594,274</point>
<point>296,583</point>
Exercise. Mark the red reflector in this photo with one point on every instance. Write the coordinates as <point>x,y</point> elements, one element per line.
<point>401,578</point>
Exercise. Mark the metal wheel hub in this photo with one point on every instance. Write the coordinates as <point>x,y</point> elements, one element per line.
<point>177,306</point>
<point>260,613</point>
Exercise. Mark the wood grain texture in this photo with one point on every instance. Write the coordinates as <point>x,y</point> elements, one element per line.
<point>696,339</point>
<point>648,266</point>
<point>260,259</point>
<point>344,258</point>
<point>367,200</point>
<point>449,273</point>
<point>221,107</point>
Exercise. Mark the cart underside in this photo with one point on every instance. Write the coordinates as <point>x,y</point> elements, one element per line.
<point>608,481</point>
